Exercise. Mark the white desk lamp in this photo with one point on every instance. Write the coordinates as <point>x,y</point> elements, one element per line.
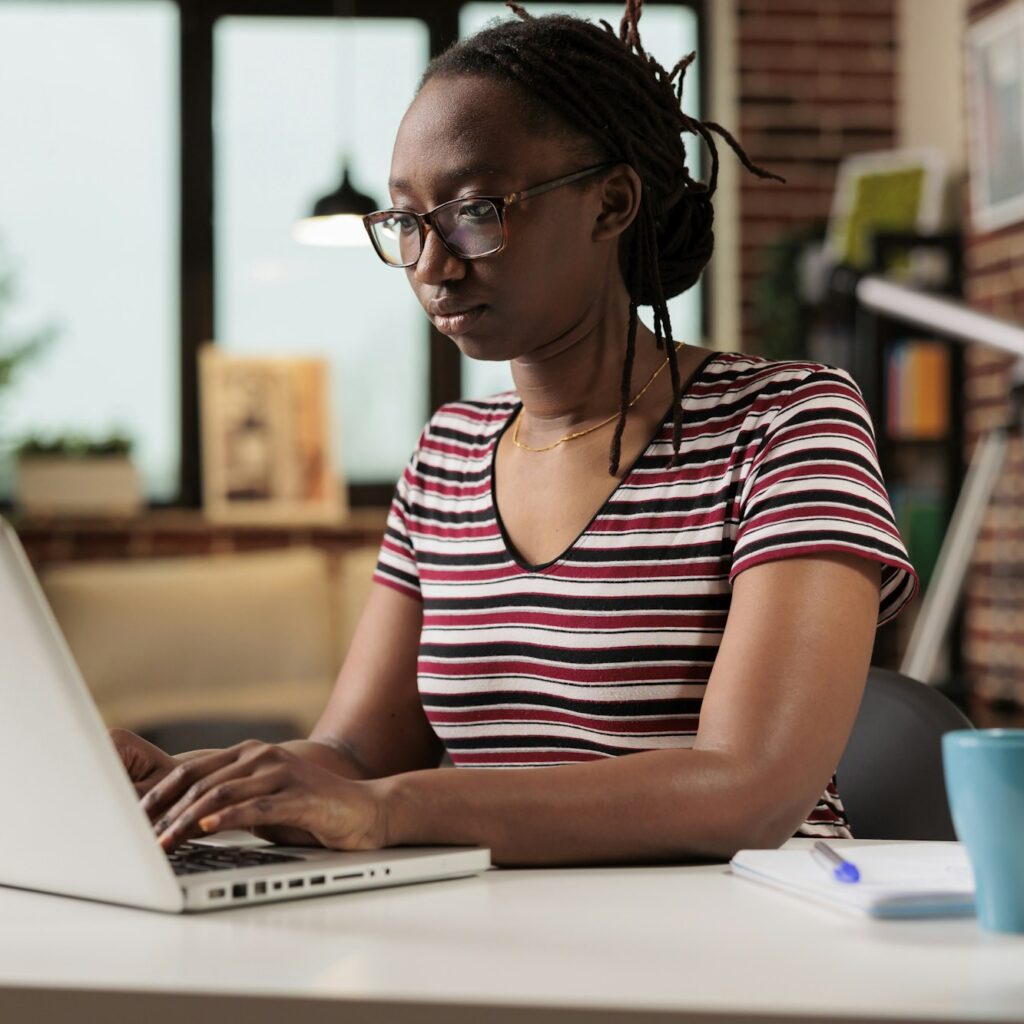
<point>951,319</point>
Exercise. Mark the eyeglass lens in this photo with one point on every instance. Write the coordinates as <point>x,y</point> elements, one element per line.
<point>470,228</point>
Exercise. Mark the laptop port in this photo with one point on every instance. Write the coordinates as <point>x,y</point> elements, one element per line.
<point>277,885</point>
<point>259,888</point>
<point>296,883</point>
<point>216,894</point>
<point>351,874</point>
<point>239,891</point>
<point>317,880</point>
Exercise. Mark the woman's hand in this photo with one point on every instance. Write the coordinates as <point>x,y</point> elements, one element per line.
<point>145,763</point>
<point>268,789</point>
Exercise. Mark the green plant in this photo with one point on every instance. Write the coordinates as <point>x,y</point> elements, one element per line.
<point>74,446</point>
<point>778,313</point>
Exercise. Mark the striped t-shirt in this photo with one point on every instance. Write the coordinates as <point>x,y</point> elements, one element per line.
<point>608,649</point>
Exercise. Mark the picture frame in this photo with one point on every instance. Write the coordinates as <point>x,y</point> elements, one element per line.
<point>995,66</point>
<point>885,190</point>
<point>266,440</point>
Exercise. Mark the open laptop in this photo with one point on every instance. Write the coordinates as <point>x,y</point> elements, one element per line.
<point>72,821</point>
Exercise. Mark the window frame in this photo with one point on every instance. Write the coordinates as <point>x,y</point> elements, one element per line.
<point>197,227</point>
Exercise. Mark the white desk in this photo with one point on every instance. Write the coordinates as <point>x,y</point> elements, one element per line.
<point>598,944</point>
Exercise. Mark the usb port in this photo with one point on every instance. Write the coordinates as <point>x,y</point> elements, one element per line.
<point>296,883</point>
<point>317,880</point>
<point>217,894</point>
<point>259,888</point>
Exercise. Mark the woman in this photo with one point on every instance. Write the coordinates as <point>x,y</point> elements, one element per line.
<point>645,550</point>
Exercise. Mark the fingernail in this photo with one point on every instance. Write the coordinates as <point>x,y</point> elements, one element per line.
<point>209,823</point>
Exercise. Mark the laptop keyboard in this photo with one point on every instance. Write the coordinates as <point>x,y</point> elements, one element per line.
<point>191,858</point>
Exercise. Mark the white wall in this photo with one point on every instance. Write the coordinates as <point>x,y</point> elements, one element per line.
<point>930,91</point>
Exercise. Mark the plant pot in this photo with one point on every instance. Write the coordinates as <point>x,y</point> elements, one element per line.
<point>102,485</point>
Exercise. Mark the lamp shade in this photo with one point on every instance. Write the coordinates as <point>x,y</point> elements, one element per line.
<point>337,217</point>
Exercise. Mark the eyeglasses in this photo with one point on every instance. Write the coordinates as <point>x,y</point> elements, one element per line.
<point>469,227</point>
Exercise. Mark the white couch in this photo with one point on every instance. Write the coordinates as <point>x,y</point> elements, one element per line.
<point>233,636</point>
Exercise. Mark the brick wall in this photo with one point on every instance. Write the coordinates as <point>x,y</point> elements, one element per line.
<point>818,81</point>
<point>994,619</point>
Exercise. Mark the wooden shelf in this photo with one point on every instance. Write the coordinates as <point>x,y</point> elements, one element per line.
<point>174,532</point>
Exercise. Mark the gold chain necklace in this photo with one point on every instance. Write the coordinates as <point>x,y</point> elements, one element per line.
<point>589,430</point>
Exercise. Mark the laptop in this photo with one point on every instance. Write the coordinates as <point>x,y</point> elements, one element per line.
<point>73,824</point>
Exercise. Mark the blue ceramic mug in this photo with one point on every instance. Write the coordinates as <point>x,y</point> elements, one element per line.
<point>984,771</point>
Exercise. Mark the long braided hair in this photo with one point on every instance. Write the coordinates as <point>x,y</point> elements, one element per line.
<point>581,80</point>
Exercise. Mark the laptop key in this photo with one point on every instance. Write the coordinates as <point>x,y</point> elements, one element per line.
<point>191,859</point>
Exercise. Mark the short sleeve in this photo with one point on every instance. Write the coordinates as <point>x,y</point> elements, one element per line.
<point>396,563</point>
<point>814,485</point>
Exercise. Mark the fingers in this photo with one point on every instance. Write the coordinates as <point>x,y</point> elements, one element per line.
<point>143,786</point>
<point>170,788</point>
<point>270,809</point>
<point>145,763</point>
<point>258,784</point>
<point>226,785</point>
<point>223,796</point>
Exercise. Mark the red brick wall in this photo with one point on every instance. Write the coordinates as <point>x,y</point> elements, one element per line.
<point>817,81</point>
<point>994,620</point>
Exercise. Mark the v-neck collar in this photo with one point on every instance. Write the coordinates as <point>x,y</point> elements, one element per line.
<point>510,548</point>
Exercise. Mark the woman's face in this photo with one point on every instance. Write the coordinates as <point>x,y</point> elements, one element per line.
<point>466,136</point>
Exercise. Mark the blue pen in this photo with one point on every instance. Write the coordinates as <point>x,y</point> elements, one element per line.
<point>841,870</point>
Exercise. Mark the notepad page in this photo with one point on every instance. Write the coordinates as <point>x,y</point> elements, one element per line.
<point>901,879</point>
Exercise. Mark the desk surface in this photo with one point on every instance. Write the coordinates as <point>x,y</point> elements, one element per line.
<point>596,944</point>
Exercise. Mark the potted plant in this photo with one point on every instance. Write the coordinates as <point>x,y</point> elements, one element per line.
<point>77,475</point>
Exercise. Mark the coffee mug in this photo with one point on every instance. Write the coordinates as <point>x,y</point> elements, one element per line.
<point>984,771</point>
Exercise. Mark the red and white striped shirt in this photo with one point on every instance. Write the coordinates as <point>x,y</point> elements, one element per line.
<point>608,649</point>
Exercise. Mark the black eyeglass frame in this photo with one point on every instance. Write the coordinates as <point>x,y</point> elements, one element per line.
<point>500,204</point>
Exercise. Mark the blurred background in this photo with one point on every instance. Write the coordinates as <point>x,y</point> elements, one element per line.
<point>206,395</point>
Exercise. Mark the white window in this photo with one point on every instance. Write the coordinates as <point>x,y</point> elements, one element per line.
<point>290,95</point>
<point>89,215</point>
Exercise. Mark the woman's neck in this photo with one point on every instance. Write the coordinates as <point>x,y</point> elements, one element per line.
<point>577,379</point>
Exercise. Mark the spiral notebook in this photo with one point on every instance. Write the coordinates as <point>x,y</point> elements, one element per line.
<point>896,880</point>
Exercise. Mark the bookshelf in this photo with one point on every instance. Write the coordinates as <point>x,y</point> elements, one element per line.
<point>912,386</point>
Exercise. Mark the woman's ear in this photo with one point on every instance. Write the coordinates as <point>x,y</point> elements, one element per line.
<point>620,195</point>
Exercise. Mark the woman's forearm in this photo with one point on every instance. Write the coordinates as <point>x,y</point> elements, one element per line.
<point>664,805</point>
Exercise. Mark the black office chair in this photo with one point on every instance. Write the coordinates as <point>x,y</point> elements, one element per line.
<point>890,777</point>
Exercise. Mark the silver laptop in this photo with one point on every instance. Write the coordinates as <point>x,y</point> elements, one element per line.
<point>72,821</point>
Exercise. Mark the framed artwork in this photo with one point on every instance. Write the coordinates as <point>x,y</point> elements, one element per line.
<point>995,61</point>
<point>266,440</point>
<point>888,190</point>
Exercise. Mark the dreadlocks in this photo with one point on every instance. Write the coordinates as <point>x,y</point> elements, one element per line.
<point>602,90</point>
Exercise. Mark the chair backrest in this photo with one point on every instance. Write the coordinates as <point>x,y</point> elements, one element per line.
<point>890,777</point>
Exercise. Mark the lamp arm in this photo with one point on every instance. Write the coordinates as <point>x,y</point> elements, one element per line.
<point>946,317</point>
<point>939,602</point>
<point>955,320</point>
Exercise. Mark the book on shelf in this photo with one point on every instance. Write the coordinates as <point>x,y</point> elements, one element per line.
<point>917,390</point>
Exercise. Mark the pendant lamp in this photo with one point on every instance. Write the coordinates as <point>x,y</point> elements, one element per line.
<point>337,217</point>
